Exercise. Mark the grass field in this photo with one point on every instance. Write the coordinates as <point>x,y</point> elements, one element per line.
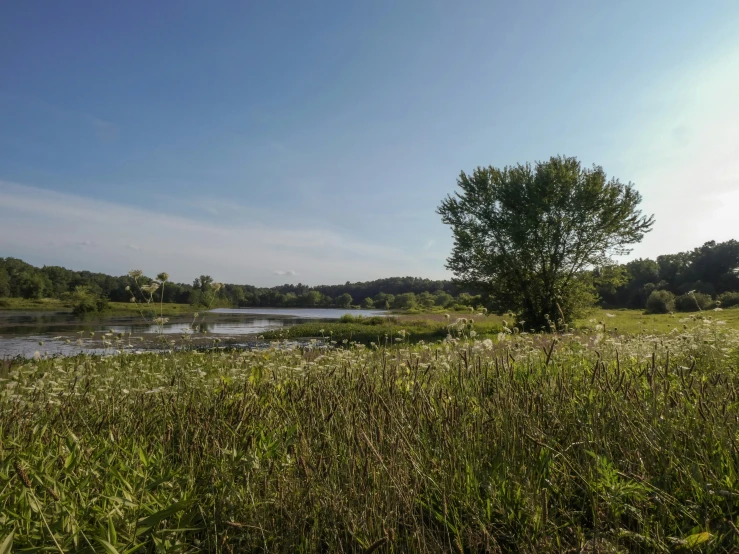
<point>636,321</point>
<point>587,443</point>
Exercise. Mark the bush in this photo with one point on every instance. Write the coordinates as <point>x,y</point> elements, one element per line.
<point>728,299</point>
<point>86,302</point>
<point>660,302</point>
<point>693,302</point>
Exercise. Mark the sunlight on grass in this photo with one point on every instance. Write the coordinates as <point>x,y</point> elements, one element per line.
<point>530,443</point>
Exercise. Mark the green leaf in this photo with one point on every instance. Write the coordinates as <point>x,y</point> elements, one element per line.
<point>135,548</point>
<point>142,457</point>
<point>112,535</point>
<point>6,547</point>
<point>692,541</point>
<point>109,548</point>
<point>152,520</point>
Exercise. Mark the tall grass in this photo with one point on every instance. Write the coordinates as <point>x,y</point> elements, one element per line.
<point>576,443</point>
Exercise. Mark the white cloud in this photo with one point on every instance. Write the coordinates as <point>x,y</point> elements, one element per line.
<point>290,272</point>
<point>34,221</point>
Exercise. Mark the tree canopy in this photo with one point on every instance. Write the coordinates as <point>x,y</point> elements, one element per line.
<point>525,234</point>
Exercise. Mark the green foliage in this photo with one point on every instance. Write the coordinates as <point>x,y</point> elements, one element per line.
<point>86,302</point>
<point>693,302</point>
<point>405,301</point>
<point>522,445</point>
<point>660,302</point>
<point>728,299</point>
<point>344,300</point>
<point>4,283</point>
<point>523,234</point>
<point>442,299</point>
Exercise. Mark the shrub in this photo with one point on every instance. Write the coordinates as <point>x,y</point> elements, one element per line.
<point>728,299</point>
<point>693,302</point>
<point>87,302</point>
<point>660,302</point>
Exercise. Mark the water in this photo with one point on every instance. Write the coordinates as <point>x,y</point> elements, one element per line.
<point>26,332</point>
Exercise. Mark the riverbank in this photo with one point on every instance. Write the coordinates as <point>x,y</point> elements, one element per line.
<point>114,308</point>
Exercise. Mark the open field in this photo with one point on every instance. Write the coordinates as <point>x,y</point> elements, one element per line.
<point>584,444</point>
<point>636,321</point>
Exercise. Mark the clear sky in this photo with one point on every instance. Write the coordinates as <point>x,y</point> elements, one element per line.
<point>272,142</point>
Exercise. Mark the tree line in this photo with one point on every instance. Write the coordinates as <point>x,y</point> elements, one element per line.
<point>19,279</point>
<point>702,278</point>
<point>695,279</point>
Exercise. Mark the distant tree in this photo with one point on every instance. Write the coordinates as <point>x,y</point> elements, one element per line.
<point>607,280</point>
<point>310,298</point>
<point>368,303</point>
<point>84,301</point>
<point>442,299</point>
<point>405,301</point>
<point>234,293</point>
<point>344,300</point>
<point>4,282</point>
<point>643,278</point>
<point>383,298</point>
<point>660,302</point>
<point>714,268</point>
<point>32,284</point>
<point>523,234</point>
<point>426,299</point>
<point>203,282</point>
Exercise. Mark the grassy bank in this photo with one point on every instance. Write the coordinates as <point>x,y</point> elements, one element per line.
<point>377,330</point>
<point>114,308</point>
<point>380,330</point>
<point>587,444</point>
<point>431,327</point>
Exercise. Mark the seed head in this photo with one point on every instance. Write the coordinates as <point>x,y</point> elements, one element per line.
<point>22,475</point>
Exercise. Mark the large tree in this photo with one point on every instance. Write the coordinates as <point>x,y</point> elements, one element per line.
<point>526,234</point>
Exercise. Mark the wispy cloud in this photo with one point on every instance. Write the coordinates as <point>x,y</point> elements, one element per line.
<point>290,272</point>
<point>126,237</point>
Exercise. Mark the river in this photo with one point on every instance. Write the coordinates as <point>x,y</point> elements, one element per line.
<point>24,333</point>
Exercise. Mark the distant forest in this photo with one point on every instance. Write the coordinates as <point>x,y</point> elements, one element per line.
<point>705,277</point>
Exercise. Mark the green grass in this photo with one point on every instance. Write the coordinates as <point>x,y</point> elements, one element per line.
<point>45,304</point>
<point>592,443</point>
<point>636,321</point>
<point>431,327</point>
<point>114,308</point>
<point>169,309</point>
<point>379,330</point>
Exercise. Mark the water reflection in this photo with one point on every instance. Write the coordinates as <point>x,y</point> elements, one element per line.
<point>24,333</point>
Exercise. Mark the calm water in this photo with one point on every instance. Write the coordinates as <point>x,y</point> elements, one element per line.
<point>24,333</point>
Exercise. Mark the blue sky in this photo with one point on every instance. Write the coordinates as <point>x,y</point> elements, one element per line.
<point>264,142</point>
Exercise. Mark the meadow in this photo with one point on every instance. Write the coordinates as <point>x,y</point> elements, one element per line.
<point>575,442</point>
